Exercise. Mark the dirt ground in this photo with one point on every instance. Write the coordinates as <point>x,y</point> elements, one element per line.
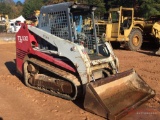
<point>18,102</point>
<point>9,37</point>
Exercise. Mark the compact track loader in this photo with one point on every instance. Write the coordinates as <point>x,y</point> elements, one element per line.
<point>65,58</point>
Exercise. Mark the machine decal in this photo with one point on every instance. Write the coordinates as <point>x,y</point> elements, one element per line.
<point>22,38</point>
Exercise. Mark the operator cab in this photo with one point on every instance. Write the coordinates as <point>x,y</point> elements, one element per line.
<point>121,18</point>
<point>73,22</point>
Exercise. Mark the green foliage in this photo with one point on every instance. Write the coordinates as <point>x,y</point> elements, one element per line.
<point>101,10</point>
<point>118,3</point>
<point>5,8</point>
<point>143,8</point>
<point>149,8</point>
<point>30,6</point>
<point>10,9</point>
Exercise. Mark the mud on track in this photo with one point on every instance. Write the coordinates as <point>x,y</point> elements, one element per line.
<point>18,102</point>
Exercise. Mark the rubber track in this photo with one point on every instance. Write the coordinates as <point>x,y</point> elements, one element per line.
<point>63,74</point>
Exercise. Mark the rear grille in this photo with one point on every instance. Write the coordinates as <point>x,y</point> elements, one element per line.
<point>20,53</point>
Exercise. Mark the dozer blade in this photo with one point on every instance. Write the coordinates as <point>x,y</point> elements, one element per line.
<point>113,97</point>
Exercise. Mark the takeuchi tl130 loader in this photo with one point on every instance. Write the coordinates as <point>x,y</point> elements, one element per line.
<point>65,58</point>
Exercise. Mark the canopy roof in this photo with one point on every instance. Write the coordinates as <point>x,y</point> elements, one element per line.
<point>20,18</point>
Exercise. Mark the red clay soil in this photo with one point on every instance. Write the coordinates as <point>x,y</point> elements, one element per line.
<point>18,102</point>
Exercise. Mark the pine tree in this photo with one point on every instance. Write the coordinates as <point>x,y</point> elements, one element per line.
<point>143,8</point>
<point>149,8</point>
<point>100,6</point>
<point>30,6</point>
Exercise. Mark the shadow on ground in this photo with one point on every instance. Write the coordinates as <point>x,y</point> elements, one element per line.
<point>12,69</point>
<point>79,102</point>
<point>149,48</point>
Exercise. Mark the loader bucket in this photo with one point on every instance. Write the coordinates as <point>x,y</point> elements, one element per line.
<point>115,96</point>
